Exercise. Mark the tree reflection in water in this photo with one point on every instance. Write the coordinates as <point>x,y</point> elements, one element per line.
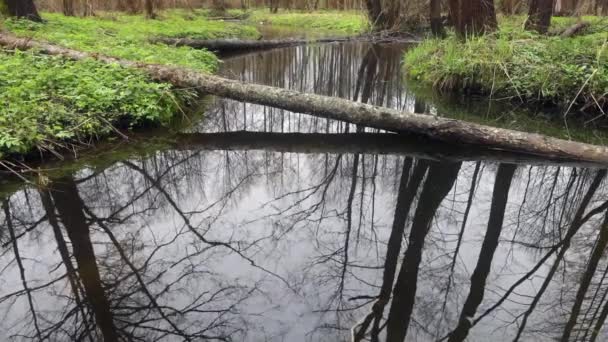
<point>358,240</point>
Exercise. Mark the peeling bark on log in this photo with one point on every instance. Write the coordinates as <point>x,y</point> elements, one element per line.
<point>438,128</point>
<point>574,29</point>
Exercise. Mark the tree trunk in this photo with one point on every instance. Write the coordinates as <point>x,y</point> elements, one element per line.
<point>374,11</point>
<point>149,4</point>
<point>565,7</point>
<point>436,21</point>
<point>20,9</point>
<point>476,17</point>
<point>68,8</point>
<point>232,45</point>
<point>219,7</point>
<point>539,16</point>
<point>454,8</point>
<point>434,127</point>
<point>508,7</point>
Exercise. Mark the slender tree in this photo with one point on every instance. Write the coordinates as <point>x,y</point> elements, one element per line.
<point>436,22</point>
<point>149,5</point>
<point>539,15</point>
<point>20,9</point>
<point>473,17</point>
<point>68,8</point>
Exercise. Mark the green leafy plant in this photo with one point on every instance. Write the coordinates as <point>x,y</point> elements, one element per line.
<point>47,101</point>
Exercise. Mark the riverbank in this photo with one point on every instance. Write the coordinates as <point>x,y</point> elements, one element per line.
<point>344,22</point>
<point>512,64</point>
<point>49,103</point>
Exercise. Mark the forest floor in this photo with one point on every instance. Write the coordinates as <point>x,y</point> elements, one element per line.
<point>514,64</point>
<point>345,22</point>
<point>48,102</point>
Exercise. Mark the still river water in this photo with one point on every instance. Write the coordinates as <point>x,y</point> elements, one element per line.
<point>266,225</point>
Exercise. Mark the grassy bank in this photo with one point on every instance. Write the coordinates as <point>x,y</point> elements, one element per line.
<point>345,22</point>
<point>126,36</point>
<point>520,65</point>
<point>49,103</point>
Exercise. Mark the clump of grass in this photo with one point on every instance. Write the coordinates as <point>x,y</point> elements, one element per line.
<point>345,22</point>
<point>127,36</point>
<point>513,63</point>
<point>46,101</point>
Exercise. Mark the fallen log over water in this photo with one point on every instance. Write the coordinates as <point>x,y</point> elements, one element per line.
<point>238,45</point>
<point>364,143</point>
<point>234,45</point>
<point>442,129</point>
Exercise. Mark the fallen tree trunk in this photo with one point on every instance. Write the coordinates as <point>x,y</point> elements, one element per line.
<point>364,143</point>
<point>442,129</point>
<point>235,45</point>
<point>574,29</point>
<point>238,45</point>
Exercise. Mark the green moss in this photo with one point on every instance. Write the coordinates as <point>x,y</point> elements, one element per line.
<point>345,22</point>
<point>46,101</point>
<point>127,36</point>
<point>514,63</point>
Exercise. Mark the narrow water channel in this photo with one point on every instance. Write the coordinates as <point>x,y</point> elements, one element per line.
<point>266,225</point>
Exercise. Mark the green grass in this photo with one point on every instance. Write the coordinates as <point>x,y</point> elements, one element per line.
<point>48,103</point>
<point>47,100</point>
<point>345,22</point>
<point>126,36</point>
<point>517,64</point>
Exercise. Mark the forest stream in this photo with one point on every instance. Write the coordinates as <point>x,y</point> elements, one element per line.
<point>276,226</point>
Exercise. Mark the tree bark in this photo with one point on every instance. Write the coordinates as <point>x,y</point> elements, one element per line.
<point>433,127</point>
<point>574,29</point>
<point>539,16</point>
<point>68,8</point>
<point>20,9</point>
<point>436,21</point>
<point>149,5</point>
<point>475,17</point>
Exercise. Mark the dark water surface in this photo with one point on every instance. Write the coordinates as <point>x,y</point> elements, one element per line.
<point>295,231</point>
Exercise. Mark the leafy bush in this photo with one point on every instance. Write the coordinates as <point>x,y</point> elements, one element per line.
<point>514,63</point>
<point>48,100</point>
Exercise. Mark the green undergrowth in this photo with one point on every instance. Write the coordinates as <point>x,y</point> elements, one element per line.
<point>47,102</point>
<point>345,22</point>
<point>520,65</point>
<point>127,36</point>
